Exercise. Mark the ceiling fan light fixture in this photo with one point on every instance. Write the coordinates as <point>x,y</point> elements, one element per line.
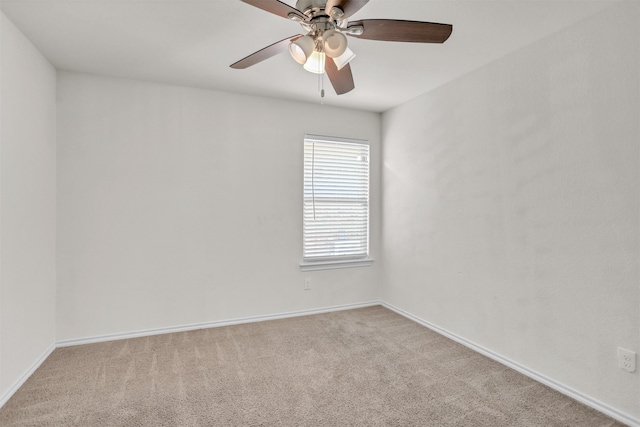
<point>342,60</point>
<point>315,63</point>
<point>302,48</point>
<point>335,43</point>
<point>326,23</point>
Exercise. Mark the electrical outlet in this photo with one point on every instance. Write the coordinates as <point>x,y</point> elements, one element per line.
<point>626,359</point>
<point>307,283</point>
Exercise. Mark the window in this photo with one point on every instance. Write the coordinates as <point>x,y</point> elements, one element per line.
<point>336,203</point>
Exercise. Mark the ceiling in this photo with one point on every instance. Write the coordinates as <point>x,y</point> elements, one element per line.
<point>193,42</point>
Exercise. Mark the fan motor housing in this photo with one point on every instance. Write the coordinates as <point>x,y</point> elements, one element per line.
<point>304,5</point>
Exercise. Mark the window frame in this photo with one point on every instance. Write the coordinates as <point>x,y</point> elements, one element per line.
<point>341,261</point>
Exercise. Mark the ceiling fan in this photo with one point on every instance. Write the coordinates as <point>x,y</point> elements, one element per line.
<point>323,49</point>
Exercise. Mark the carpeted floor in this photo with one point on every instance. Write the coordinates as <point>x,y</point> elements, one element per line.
<point>365,367</point>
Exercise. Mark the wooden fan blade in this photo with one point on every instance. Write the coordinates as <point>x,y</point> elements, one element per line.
<point>265,53</point>
<point>349,7</point>
<point>402,31</point>
<point>276,7</point>
<point>341,80</point>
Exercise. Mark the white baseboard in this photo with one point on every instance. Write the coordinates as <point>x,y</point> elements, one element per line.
<point>213,324</point>
<point>7,395</point>
<point>564,389</point>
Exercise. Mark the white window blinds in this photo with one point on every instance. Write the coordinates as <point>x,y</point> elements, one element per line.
<point>336,199</point>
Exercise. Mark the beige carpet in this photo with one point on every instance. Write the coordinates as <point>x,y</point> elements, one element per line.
<point>368,367</point>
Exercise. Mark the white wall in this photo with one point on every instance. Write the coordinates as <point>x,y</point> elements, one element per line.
<point>511,206</point>
<point>27,205</point>
<point>180,205</point>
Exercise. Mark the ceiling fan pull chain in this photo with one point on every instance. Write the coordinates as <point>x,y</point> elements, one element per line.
<point>321,88</point>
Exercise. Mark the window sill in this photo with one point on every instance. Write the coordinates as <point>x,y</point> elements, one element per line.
<point>330,265</point>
